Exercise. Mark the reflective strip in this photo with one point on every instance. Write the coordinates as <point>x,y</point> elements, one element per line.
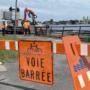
<point>16,45</point>
<point>88,74</point>
<point>54,47</point>
<point>84,49</point>
<point>81,81</point>
<point>0,63</point>
<point>7,45</point>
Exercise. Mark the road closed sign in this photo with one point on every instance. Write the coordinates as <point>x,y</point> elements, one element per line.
<point>36,61</point>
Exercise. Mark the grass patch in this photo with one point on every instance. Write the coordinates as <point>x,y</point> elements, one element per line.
<point>7,54</point>
<point>6,37</point>
<point>86,39</point>
<point>50,36</point>
<point>72,34</point>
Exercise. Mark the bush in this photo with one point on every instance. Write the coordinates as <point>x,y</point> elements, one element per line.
<point>73,33</point>
<point>86,39</point>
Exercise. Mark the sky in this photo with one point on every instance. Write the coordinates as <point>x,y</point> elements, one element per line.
<point>51,9</point>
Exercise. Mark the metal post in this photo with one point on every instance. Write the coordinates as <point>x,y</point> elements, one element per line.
<point>79,31</point>
<point>40,32</point>
<point>46,31</point>
<point>62,31</point>
<point>15,20</point>
<point>50,32</point>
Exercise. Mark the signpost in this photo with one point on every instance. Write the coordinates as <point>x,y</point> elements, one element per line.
<point>36,61</point>
<point>15,20</point>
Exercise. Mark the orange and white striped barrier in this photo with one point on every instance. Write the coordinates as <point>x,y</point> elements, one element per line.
<point>8,45</point>
<point>58,48</point>
<point>82,80</point>
<point>83,49</point>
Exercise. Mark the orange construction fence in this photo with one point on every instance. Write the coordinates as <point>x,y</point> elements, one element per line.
<point>58,48</point>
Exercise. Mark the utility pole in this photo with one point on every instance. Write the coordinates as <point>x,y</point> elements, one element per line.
<point>15,19</point>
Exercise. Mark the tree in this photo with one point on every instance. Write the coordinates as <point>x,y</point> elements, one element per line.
<point>72,21</point>
<point>76,21</point>
<point>89,22</point>
<point>63,22</point>
<point>51,21</point>
<point>39,22</point>
<point>31,23</point>
<point>81,21</point>
<point>44,22</point>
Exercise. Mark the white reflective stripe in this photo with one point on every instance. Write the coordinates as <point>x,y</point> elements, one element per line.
<point>16,45</point>
<point>88,74</point>
<point>54,47</point>
<point>7,45</point>
<point>81,81</point>
<point>84,49</point>
<point>0,63</point>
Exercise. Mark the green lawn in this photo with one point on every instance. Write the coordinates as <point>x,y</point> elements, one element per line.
<point>7,54</point>
<point>6,37</point>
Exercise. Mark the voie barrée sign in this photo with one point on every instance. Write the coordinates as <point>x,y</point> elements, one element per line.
<point>36,61</point>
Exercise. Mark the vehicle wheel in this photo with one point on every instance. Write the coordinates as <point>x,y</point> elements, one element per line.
<point>6,32</point>
<point>11,32</point>
<point>16,32</point>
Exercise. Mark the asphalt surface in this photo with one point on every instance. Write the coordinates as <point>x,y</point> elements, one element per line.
<point>9,80</point>
<point>32,37</point>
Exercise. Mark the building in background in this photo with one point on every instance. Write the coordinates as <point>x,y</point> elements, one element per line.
<point>85,20</point>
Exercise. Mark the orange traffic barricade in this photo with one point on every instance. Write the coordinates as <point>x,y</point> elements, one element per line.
<point>79,65</point>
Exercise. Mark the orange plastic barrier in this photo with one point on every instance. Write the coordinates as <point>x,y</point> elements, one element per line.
<point>58,48</point>
<point>83,49</point>
<point>8,45</point>
<point>31,28</point>
<point>79,65</point>
<point>42,29</point>
<point>38,28</point>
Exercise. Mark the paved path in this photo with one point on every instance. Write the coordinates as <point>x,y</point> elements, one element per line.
<point>32,37</point>
<point>9,80</point>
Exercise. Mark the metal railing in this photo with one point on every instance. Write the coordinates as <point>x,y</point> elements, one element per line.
<point>71,27</point>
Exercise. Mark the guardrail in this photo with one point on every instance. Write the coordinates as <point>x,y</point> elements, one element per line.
<point>63,29</point>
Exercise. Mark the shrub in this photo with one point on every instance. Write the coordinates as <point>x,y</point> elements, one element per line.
<point>73,33</point>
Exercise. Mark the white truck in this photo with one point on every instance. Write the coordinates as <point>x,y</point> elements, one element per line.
<point>10,26</point>
<point>7,16</point>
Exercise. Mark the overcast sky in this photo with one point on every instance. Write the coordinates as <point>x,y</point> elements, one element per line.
<point>51,9</point>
